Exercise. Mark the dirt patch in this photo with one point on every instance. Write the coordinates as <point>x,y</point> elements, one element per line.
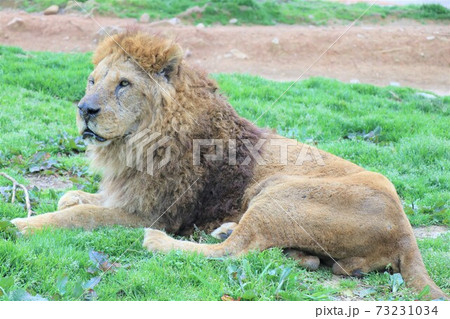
<point>48,181</point>
<point>356,293</point>
<point>405,52</point>
<point>429,231</point>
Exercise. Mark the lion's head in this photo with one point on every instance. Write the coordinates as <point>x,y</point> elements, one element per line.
<point>133,78</point>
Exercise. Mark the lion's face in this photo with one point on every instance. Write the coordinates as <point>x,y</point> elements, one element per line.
<point>133,78</point>
<point>114,102</point>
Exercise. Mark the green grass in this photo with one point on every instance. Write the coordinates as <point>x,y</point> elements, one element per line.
<point>37,120</point>
<point>267,12</point>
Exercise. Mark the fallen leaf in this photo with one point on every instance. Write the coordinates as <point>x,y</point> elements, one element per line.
<point>78,290</point>
<point>101,262</point>
<point>396,281</point>
<point>92,283</point>
<point>371,136</point>
<point>61,284</point>
<point>107,266</point>
<point>23,295</point>
<point>365,292</point>
<point>93,270</point>
<point>229,298</point>
<point>347,293</point>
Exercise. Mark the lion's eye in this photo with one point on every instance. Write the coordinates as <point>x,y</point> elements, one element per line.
<point>91,81</point>
<point>124,83</point>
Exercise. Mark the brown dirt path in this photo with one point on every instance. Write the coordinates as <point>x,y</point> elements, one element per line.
<point>405,52</point>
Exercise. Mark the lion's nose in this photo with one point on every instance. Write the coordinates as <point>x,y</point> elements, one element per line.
<point>88,110</point>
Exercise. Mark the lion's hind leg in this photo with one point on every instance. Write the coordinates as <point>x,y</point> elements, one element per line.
<point>159,241</point>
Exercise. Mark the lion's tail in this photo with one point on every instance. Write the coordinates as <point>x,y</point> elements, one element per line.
<point>415,274</point>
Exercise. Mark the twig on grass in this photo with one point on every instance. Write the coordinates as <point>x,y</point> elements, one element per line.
<point>25,191</point>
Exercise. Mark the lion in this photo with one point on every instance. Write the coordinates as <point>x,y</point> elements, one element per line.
<point>254,188</point>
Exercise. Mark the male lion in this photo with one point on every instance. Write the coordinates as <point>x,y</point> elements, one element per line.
<point>325,208</point>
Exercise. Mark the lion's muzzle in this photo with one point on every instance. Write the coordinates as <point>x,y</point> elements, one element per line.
<point>88,110</point>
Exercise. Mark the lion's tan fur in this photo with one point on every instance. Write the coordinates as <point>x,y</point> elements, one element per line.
<point>336,211</point>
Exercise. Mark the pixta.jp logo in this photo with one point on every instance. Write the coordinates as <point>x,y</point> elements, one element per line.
<point>141,151</point>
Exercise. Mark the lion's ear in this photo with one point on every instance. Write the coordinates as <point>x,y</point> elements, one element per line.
<point>170,67</point>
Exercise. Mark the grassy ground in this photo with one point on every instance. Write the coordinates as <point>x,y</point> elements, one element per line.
<point>251,11</point>
<point>391,130</point>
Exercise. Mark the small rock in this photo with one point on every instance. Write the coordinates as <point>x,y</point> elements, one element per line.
<point>16,24</point>
<point>227,55</point>
<point>187,53</point>
<point>431,37</point>
<point>6,36</point>
<point>275,41</point>
<point>145,18</point>
<point>51,10</point>
<point>200,26</point>
<point>175,21</point>
<point>166,23</point>
<point>393,83</point>
<point>66,38</point>
<point>354,81</point>
<point>238,54</point>
<point>233,21</point>
<point>426,95</point>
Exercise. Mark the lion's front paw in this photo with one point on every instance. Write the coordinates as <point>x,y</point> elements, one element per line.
<point>155,240</point>
<point>70,199</point>
<point>21,224</point>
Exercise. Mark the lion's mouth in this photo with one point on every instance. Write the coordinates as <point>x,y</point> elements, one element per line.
<point>89,134</point>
